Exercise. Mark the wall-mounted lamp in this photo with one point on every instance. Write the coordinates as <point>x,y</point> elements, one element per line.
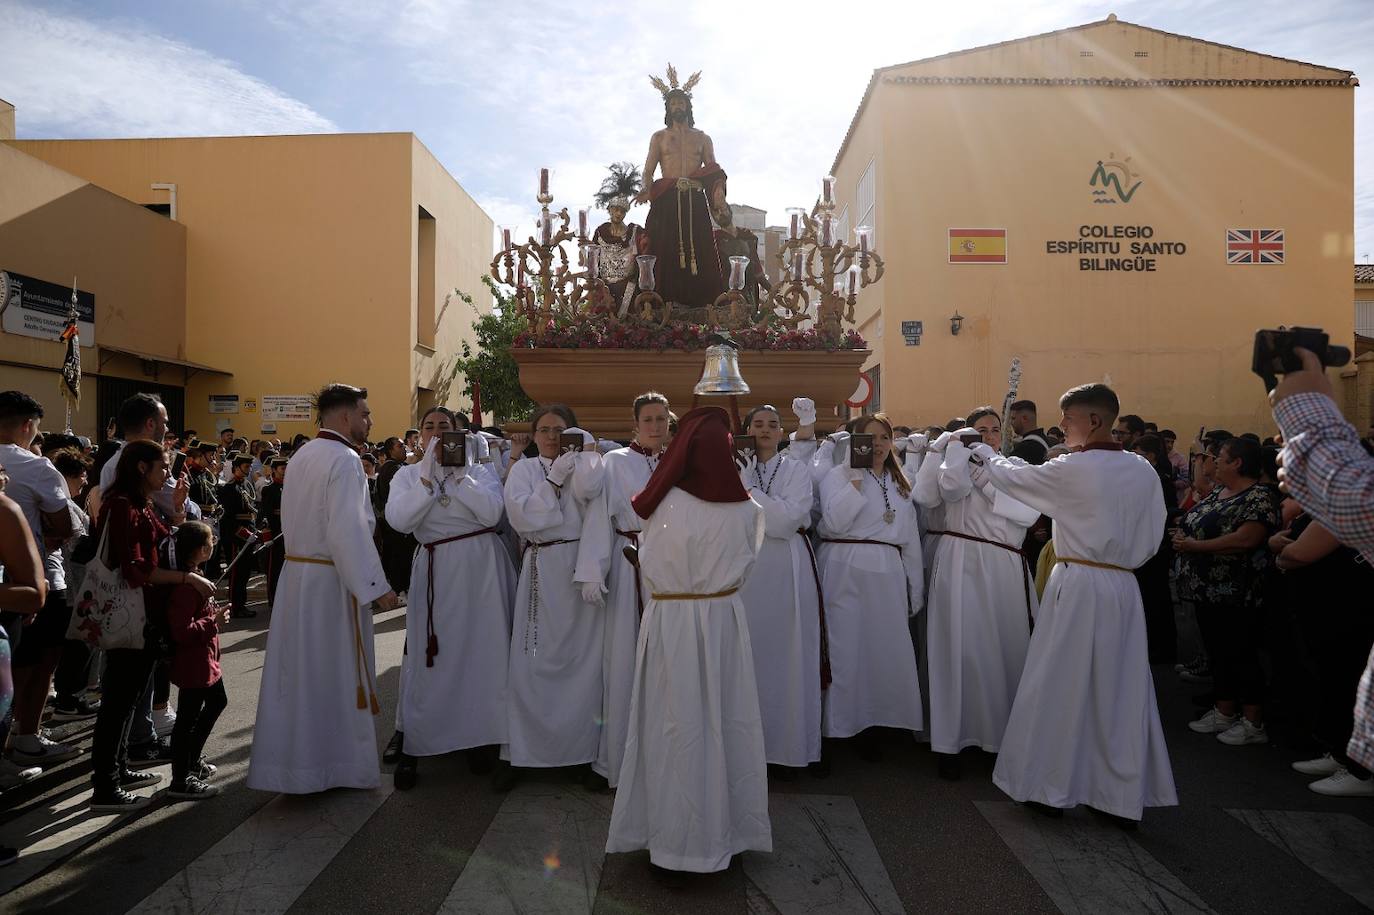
<point>956,322</point>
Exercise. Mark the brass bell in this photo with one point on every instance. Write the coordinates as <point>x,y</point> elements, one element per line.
<point>721,374</point>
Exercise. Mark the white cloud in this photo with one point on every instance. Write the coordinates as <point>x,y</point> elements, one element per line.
<point>74,77</point>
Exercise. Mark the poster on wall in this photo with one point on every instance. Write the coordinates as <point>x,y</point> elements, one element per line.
<point>37,308</point>
<point>286,408</point>
<point>224,403</point>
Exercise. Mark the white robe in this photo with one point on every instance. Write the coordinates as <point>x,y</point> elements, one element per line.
<point>979,605</point>
<point>869,591</point>
<point>601,557</point>
<point>310,734</point>
<point>694,782</point>
<point>474,585</point>
<point>555,646</point>
<point>1084,728</point>
<point>781,604</point>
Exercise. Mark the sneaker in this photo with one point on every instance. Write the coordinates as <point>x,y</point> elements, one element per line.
<point>147,755</point>
<point>38,750</point>
<point>117,801</point>
<point>164,720</point>
<point>1214,722</point>
<point>77,709</point>
<point>1324,766</point>
<point>1243,732</point>
<point>131,779</point>
<point>193,789</point>
<point>203,769</point>
<point>1342,784</point>
<point>12,775</point>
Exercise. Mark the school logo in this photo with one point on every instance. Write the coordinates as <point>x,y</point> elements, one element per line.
<point>1113,181</point>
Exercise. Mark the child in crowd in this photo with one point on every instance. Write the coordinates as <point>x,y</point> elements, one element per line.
<point>194,624</point>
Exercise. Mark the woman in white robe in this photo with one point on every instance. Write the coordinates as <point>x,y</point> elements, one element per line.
<point>782,603</point>
<point>979,604</point>
<point>872,583</point>
<point>458,636</point>
<point>554,698</point>
<point>608,578</point>
<point>693,783</point>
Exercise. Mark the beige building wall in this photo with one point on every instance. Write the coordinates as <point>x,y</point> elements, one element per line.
<point>994,153</point>
<point>54,226</point>
<point>301,260</point>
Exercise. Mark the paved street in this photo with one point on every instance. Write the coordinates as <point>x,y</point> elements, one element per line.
<point>874,838</point>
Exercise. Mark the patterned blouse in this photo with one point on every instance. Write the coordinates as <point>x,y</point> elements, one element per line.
<point>1227,578</point>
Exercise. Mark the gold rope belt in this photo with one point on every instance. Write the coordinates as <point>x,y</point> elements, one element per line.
<point>359,655</point>
<point>1096,565</point>
<point>694,596</point>
<point>685,187</point>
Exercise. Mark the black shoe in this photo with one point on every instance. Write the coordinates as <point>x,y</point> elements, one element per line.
<point>505,777</point>
<point>671,879</point>
<point>8,855</point>
<point>949,767</point>
<point>203,769</point>
<point>481,760</point>
<point>117,801</point>
<point>407,772</point>
<point>1045,810</point>
<point>393,748</point>
<point>782,773</point>
<point>131,779</point>
<point>820,768</point>
<point>1125,824</point>
<point>76,709</point>
<point>595,782</point>
<point>192,789</point>
<point>148,755</point>
<point>242,613</point>
<point>870,750</point>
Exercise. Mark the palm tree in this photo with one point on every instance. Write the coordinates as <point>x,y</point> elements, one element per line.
<point>624,180</point>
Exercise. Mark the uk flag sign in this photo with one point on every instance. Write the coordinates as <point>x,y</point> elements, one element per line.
<point>1254,246</point>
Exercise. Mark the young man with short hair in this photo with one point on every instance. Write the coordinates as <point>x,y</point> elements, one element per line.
<point>1084,728</point>
<point>1031,444</point>
<point>236,524</point>
<point>1128,428</point>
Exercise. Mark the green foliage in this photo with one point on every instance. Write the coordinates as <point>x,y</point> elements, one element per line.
<point>503,400</point>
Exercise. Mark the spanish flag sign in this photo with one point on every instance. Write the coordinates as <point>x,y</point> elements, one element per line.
<point>977,246</point>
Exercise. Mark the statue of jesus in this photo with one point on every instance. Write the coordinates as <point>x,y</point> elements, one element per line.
<point>687,271</point>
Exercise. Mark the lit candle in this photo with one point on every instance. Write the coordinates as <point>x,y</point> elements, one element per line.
<point>828,189</point>
<point>852,276</point>
<point>796,266</point>
<point>505,238</point>
<point>543,182</point>
<point>582,223</point>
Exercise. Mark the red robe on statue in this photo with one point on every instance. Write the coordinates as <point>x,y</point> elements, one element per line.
<point>679,226</point>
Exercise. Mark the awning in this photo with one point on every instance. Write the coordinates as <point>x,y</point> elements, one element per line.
<point>188,368</point>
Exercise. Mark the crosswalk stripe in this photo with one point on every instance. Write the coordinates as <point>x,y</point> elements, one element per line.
<point>1087,867</point>
<point>271,857</point>
<point>823,861</point>
<point>1337,846</point>
<point>543,852</point>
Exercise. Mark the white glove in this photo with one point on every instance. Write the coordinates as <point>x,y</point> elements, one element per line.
<point>839,437</point>
<point>429,464</point>
<point>805,410</point>
<point>979,474</point>
<point>477,445</point>
<point>917,443</point>
<point>562,468</point>
<point>593,593</point>
<point>984,451</point>
<point>587,438</point>
<point>606,446</point>
<point>939,444</point>
<point>855,474</point>
<point>747,465</point>
<point>902,443</point>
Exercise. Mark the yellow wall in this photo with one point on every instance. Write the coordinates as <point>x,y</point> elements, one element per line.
<point>1174,342</point>
<point>300,258</point>
<point>53,226</point>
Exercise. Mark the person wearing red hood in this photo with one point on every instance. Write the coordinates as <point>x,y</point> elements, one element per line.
<point>693,783</point>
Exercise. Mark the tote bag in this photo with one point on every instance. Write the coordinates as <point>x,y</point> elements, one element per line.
<point>108,613</point>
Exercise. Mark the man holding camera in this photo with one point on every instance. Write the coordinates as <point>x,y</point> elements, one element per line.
<point>1325,468</point>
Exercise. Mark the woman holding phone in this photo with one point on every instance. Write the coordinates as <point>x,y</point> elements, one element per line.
<point>462,583</point>
<point>782,600</point>
<point>871,576</point>
<point>554,697</point>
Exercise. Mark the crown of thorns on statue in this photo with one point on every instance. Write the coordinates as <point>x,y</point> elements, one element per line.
<point>671,87</point>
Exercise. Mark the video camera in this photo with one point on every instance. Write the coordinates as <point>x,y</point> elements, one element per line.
<point>1274,352</point>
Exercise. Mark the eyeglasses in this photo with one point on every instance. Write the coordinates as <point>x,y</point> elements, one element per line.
<point>551,430</point>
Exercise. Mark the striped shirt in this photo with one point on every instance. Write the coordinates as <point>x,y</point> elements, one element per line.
<point>1332,477</point>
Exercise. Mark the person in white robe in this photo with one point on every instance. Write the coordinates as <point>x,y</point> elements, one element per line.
<point>458,619</point>
<point>693,783</point>
<point>314,728</point>
<point>872,576</point>
<point>554,696</point>
<point>782,601</point>
<point>607,578</point>
<point>1084,728</point>
<point>980,602</point>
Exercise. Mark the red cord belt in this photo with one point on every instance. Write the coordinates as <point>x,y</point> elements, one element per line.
<point>432,640</point>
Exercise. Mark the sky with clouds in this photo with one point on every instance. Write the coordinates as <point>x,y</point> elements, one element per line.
<point>498,89</point>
